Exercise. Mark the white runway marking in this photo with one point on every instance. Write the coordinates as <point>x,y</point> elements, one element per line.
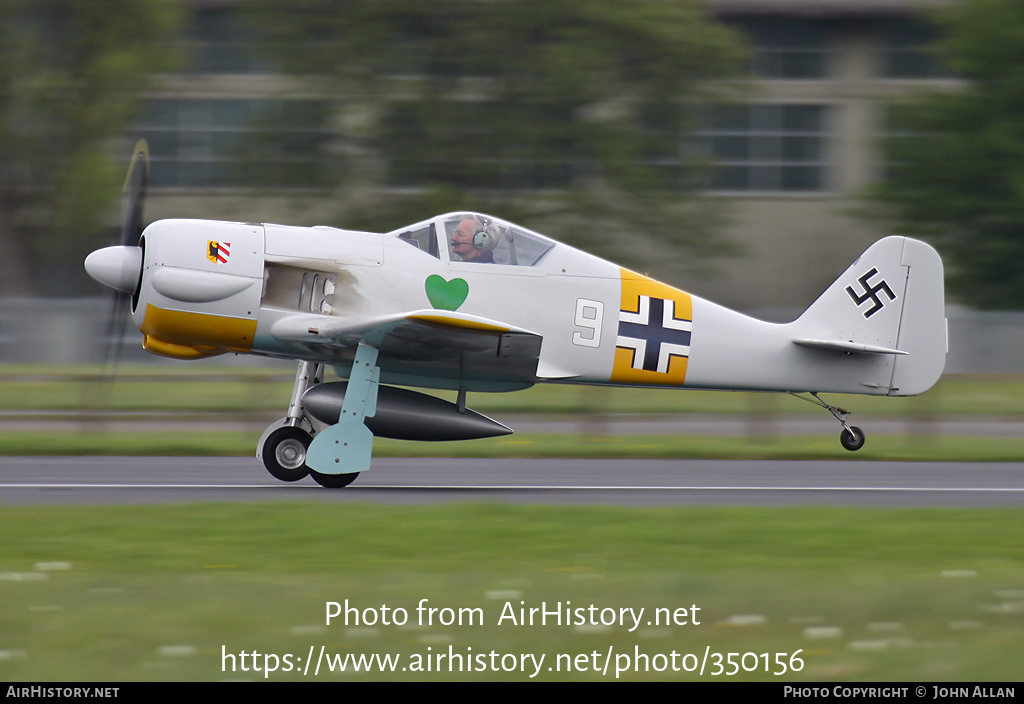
<point>103,480</point>
<point>519,487</point>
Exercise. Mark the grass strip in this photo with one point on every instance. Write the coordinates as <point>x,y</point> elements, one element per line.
<point>212,389</point>
<point>121,593</point>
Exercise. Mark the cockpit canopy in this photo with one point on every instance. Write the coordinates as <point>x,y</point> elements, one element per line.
<point>478,238</point>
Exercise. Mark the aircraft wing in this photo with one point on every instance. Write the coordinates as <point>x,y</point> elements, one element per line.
<point>428,344</point>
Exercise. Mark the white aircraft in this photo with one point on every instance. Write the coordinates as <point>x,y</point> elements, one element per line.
<point>469,302</point>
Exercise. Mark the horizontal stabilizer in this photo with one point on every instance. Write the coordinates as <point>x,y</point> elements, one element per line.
<point>846,346</point>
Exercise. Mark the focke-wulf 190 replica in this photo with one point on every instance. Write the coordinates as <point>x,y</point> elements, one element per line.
<point>469,302</point>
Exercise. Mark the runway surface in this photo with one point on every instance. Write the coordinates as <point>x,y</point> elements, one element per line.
<point>140,480</point>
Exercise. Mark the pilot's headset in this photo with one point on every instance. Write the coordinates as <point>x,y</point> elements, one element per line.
<point>487,235</point>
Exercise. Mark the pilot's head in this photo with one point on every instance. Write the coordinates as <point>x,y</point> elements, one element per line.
<point>471,239</point>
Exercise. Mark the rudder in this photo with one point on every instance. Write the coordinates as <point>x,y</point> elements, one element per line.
<point>923,330</point>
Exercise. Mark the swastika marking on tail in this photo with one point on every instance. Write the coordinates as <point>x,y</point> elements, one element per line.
<point>870,293</point>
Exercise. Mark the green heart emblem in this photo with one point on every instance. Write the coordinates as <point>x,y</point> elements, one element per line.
<point>446,295</point>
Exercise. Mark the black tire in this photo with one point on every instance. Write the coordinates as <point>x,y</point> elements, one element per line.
<point>333,481</point>
<point>852,441</point>
<point>284,454</point>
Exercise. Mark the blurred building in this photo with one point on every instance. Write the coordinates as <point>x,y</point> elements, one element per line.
<point>796,160</point>
<point>792,162</point>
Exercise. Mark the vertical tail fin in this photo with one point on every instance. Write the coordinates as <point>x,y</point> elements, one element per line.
<point>888,303</point>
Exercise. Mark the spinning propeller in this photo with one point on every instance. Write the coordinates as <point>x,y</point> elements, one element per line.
<point>120,266</point>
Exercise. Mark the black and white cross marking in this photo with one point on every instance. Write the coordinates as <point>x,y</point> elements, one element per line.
<point>654,334</point>
<point>870,293</point>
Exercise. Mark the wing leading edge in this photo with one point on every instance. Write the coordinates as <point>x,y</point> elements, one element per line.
<point>429,347</point>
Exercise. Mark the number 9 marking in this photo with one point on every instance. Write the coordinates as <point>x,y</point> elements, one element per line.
<point>589,316</point>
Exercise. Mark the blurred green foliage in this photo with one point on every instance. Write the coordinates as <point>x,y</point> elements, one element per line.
<point>956,156</point>
<point>570,116</point>
<point>71,77</point>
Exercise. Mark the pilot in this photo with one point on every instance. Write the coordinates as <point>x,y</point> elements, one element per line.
<point>474,241</point>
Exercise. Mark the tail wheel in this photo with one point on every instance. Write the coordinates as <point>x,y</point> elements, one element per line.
<point>334,481</point>
<point>852,438</point>
<point>284,453</point>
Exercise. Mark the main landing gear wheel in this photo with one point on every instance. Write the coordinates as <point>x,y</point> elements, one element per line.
<point>284,453</point>
<point>852,438</point>
<point>333,481</point>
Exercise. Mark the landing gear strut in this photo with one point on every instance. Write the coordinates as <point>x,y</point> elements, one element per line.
<point>852,437</point>
<point>285,444</point>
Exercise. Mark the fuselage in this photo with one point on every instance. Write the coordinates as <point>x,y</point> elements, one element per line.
<point>210,287</point>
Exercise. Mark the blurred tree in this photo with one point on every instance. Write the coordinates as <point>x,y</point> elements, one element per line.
<point>956,158</point>
<point>573,117</point>
<point>70,75</point>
